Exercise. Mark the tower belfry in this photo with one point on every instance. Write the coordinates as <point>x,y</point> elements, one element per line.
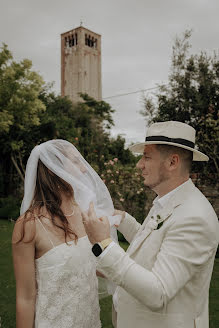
<point>81,64</point>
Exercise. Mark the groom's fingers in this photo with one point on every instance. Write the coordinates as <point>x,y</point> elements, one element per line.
<point>91,212</point>
<point>104,219</point>
<point>90,209</point>
<point>85,217</point>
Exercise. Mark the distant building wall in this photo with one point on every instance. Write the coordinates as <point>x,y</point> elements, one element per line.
<point>81,64</point>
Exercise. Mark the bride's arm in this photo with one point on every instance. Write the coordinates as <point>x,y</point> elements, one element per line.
<point>24,269</point>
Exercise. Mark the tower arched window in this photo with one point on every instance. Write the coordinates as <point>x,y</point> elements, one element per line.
<point>70,41</point>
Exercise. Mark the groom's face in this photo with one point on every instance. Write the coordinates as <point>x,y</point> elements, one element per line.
<point>152,166</point>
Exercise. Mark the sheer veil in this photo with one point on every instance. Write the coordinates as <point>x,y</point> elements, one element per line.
<point>64,160</point>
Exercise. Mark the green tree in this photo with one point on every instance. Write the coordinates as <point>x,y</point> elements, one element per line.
<point>192,97</point>
<point>20,107</point>
<point>94,120</point>
<point>86,124</point>
<point>31,113</point>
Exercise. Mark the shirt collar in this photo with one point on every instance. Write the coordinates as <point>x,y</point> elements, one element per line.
<point>162,201</point>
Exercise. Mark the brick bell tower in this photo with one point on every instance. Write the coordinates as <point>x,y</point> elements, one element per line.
<point>81,64</point>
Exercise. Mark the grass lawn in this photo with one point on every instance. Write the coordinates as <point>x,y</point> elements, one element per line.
<point>7,286</point>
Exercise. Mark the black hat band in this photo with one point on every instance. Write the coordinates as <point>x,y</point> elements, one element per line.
<point>179,141</point>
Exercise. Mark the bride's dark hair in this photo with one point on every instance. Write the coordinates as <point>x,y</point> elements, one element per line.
<point>48,191</point>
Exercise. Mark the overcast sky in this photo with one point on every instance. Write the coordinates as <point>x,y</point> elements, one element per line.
<point>137,39</point>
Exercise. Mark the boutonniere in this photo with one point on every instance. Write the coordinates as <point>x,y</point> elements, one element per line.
<point>156,223</point>
<point>161,222</point>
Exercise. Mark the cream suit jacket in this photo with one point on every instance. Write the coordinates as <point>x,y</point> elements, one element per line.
<point>164,277</point>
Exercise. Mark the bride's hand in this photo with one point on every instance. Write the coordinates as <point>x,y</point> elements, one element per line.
<point>97,229</point>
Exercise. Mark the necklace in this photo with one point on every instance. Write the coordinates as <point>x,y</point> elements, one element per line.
<point>70,214</point>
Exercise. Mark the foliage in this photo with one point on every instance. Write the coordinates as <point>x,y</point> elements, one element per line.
<point>86,124</point>
<point>20,107</point>
<point>126,188</point>
<point>9,207</point>
<point>19,91</point>
<point>192,97</point>
<point>38,115</point>
<point>101,110</point>
<point>208,138</point>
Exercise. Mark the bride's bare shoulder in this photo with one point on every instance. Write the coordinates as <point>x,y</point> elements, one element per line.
<point>24,229</point>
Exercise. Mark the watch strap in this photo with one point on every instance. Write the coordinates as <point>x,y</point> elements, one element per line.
<point>104,243</point>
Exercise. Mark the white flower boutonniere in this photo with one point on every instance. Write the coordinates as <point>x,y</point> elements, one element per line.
<point>156,223</point>
<point>152,224</point>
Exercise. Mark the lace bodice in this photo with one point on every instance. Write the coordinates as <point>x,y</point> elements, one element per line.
<point>67,293</point>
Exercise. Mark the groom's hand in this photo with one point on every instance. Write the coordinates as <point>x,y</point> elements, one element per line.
<point>121,213</point>
<point>97,229</point>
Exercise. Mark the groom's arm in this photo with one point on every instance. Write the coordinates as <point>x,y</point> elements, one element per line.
<point>185,249</point>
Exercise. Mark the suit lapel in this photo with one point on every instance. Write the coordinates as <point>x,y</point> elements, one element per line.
<point>150,214</point>
<point>142,232</point>
<point>177,199</point>
<point>146,231</point>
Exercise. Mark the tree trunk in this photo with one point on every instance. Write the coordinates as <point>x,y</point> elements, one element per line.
<point>17,168</point>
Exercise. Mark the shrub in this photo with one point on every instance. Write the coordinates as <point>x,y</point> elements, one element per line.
<point>9,207</point>
<point>126,188</point>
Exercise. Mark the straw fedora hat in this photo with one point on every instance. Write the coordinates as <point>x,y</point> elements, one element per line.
<point>171,133</point>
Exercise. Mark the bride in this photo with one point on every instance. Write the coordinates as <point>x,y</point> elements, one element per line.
<point>55,270</point>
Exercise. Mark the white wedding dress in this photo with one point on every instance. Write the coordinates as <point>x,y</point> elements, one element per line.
<point>67,287</point>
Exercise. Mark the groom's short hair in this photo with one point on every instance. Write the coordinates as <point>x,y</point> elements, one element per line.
<point>185,155</point>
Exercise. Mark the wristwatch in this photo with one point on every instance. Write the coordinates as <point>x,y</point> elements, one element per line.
<point>98,248</point>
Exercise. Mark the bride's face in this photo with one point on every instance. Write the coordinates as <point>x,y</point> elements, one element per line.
<point>80,165</point>
<point>75,160</point>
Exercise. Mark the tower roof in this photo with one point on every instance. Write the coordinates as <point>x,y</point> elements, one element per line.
<point>80,28</point>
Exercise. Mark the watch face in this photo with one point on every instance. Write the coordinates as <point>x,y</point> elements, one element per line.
<point>96,249</point>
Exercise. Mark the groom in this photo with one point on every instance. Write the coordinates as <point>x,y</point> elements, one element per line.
<point>163,279</point>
